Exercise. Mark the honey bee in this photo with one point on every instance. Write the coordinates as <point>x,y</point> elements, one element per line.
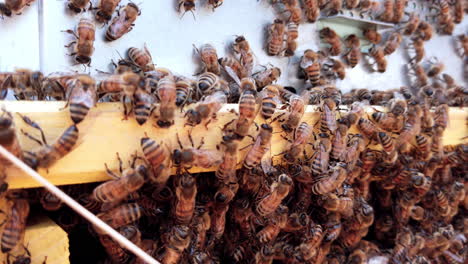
<point>202,225</point>
<point>206,110</point>
<point>278,191</point>
<point>120,216</point>
<point>26,84</point>
<point>311,66</point>
<point>47,154</point>
<point>301,138</point>
<point>227,169</point>
<point>354,54</point>
<point>207,82</point>
<point>334,6</point>
<point>388,13</point>
<point>106,9</point>
<point>278,221</point>
<point>123,23</point>
<point>83,46</point>
<point>367,7</point>
<point>141,58</point>
<point>241,46</point>
<point>8,140</point>
<point>49,201</point>
<point>259,148</point>
<point>356,145</point>
<point>218,217</point>
<point>322,154</point>
<point>339,142</point>
<point>292,33</point>
<point>399,11</point>
<point>270,100</point>
<point>445,18</point>
<point>325,184</point>
<point>424,31</point>
<point>233,68</point>
<point>247,112</point>
<point>267,77</point>
<point>15,224</point>
<point>209,58</point>
<point>296,111</point>
<point>312,10</point>
<point>418,46</point>
<point>186,6</point>
<point>186,190</point>
<point>333,39</point>
<point>78,6</point>
<point>441,116</point>
<point>372,36</point>
<point>167,95</point>
<point>114,250</point>
<point>421,77</point>
<point>82,96</point>
<point>435,69</point>
<point>158,157</point>
<point>378,54</point>
<point>333,227</point>
<point>144,105</point>
<point>195,157</point>
<point>265,255</point>
<point>114,191</point>
<point>328,116</point>
<point>351,4</point>
<point>310,242</point>
<point>392,43</point>
<point>458,12</point>
<point>184,90</point>
<point>412,24</point>
<point>338,68</point>
<point>14,6</point>
<point>215,3</point>
<point>276,38</point>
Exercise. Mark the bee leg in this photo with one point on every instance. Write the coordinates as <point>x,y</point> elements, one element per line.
<point>69,31</point>
<point>110,173</point>
<point>228,124</point>
<point>206,125</point>
<point>251,137</point>
<point>70,44</point>
<point>285,138</point>
<point>33,124</point>
<point>202,142</point>
<point>249,145</point>
<point>31,137</point>
<point>120,162</point>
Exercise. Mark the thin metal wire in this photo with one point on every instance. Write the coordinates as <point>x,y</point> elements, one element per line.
<point>78,208</point>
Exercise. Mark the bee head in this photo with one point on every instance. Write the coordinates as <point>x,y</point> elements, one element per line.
<point>4,10</point>
<point>193,117</point>
<point>164,124</point>
<point>83,59</point>
<point>74,8</point>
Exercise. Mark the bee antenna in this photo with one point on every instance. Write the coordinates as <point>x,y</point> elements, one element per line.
<point>193,14</point>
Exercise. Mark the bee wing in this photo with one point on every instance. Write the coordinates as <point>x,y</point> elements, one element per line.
<point>305,63</point>
<point>232,74</point>
<point>266,162</point>
<point>4,88</point>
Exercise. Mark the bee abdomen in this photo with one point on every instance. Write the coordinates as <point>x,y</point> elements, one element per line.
<point>67,140</point>
<point>268,108</point>
<point>142,112</point>
<point>78,112</point>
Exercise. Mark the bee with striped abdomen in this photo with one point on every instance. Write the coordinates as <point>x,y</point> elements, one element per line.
<point>47,154</point>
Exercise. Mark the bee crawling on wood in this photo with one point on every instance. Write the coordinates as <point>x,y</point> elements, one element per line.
<point>47,155</point>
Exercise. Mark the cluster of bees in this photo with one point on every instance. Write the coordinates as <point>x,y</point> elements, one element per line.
<point>346,189</point>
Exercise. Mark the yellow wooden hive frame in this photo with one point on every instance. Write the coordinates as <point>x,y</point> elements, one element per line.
<point>103,133</point>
